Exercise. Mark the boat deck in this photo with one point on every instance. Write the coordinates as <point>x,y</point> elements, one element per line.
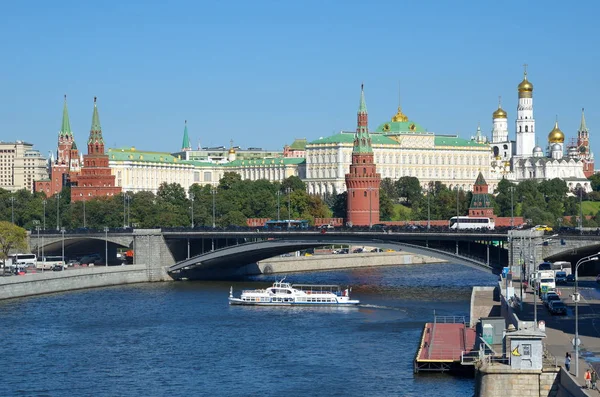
<point>444,344</point>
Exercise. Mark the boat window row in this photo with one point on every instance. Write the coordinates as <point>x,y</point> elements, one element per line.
<point>316,300</point>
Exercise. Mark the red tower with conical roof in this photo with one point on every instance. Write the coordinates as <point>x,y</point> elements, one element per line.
<point>95,178</point>
<point>362,182</point>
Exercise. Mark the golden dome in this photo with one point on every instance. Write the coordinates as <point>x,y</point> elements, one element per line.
<point>231,151</point>
<point>399,116</point>
<point>556,135</point>
<point>525,85</point>
<point>499,114</point>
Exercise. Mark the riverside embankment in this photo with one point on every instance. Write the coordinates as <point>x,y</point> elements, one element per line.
<point>341,261</point>
<point>74,279</point>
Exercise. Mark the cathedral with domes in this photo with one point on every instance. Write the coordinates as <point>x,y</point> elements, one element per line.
<point>523,159</point>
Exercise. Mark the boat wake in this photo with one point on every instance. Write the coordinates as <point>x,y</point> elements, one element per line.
<point>367,306</point>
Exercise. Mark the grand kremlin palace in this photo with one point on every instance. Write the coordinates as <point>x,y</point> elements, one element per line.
<point>401,148</point>
<point>137,171</point>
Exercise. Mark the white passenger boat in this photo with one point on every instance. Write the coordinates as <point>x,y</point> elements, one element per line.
<point>286,294</point>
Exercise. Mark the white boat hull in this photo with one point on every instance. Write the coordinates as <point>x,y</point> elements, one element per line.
<point>238,301</point>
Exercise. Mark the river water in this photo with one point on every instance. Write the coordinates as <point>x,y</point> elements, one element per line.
<point>183,339</point>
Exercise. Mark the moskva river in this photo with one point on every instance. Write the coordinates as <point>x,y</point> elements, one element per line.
<point>183,339</point>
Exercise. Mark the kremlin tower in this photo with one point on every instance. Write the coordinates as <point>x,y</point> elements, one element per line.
<point>362,182</point>
<point>583,148</point>
<point>95,179</point>
<point>67,164</point>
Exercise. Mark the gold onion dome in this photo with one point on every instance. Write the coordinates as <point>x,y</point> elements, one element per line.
<point>231,151</point>
<point>525,85</point>
<point>556,135</point>
<point>499,114</point>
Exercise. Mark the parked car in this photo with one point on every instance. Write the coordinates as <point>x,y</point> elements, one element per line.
<point>571,278</point>
<point>560,278</point>
<point>73,262</point>
<point>550,297</point>
<point>544,228</point>
<point>376,250</point>
<point>557,307</point>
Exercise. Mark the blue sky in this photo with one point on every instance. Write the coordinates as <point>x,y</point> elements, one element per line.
<point>265,72</point>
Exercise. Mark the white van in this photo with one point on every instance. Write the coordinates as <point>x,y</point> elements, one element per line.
<point>545,282</point>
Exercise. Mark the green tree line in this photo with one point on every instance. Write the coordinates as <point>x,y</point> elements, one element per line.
<point>234,200</point>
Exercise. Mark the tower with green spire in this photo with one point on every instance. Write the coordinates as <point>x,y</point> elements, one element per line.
<point>362,182</point>
<point>95,178</point>
<point>186,145</point>
<point>95,140</point>
<point>65,138</point>
<point>583,147</point>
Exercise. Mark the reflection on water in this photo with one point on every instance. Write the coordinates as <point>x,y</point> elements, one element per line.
<point>183,339</point>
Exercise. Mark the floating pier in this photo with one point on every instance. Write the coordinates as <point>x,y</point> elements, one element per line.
<point>447,344</point>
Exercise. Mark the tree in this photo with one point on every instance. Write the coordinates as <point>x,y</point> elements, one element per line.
<point>386,207</point>
<point>408,189</point>
<point>595,181</point>
<point>294,183</point>
<point>389,188</point>
<point>340,205</point>
<point>12,237</point>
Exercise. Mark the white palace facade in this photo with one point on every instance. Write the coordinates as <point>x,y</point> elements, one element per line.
<point>401,148</point>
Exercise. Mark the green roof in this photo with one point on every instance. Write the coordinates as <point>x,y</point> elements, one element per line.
<point>65,128</point>
<point>267,161</point>
<point>401,127</point>
<point>96,130</point>
<point>480,181</point>
<point>132,154</point>
<point>348,137</point>
<point>456,141</point>
<point>299,144</point>
<point>186,139</point>
<point>481,200</point>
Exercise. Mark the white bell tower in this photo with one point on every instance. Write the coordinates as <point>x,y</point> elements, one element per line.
<point>525,124</point>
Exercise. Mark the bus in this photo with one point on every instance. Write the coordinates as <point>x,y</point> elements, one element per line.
<point>290,224</point>
<point>48,262</point>
<point>467,222</point>
<point>26,260</point>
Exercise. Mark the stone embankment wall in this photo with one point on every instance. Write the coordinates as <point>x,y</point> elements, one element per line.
<point>74,279</point>
<point>499,380</point>
<point>337,261</point>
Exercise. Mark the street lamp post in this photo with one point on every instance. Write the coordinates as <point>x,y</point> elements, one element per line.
<point>457,217</point>
<point>289,194</point>
<point>278,193</point>
<point>124,210</point>
<point>57,211</point>
<point>62,231</point>
<point>576,299</point>
<point>105,246</point>
<point>44,201</point>
<point>428,208</point>
<point>581,210</point>
<point>37,227</point>
<point>213,191</point>
<point>512,207</point>
<point>370,189</point>
<point>12,205</point>
<point>192,200</point>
